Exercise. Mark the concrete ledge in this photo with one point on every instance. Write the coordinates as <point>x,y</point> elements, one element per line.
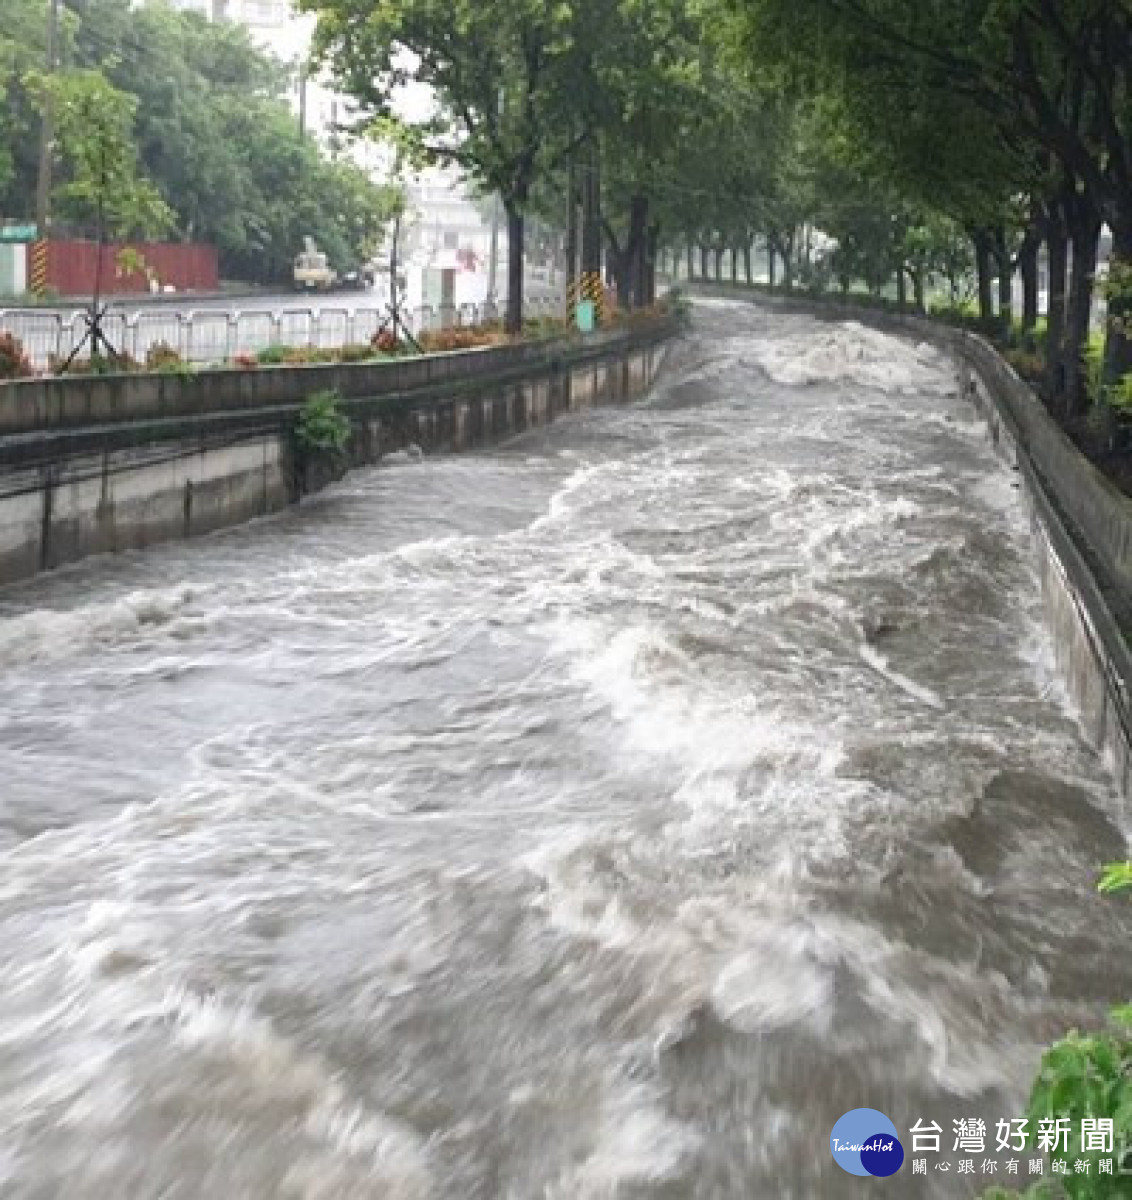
<point>36,406</point>
<point>99,465</point>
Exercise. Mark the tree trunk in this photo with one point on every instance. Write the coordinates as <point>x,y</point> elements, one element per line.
<point>571,227</point>
<point>1118,327</point>
<point>719,263</point>
<point>1028,269</point>
<point>514,322</point>
<point>704,262</point>
<point>514,268</point>
<point>618,266</point>
<point>1084,235</point>
<point>983,268</point>
<point>652,243</point>
<point>1057,248</point>
<point>691,261</point>
<point>636,252</point>
<point>747,263</point>
<point>1005,269</point>
<point>770,259</point>
<point>918,289</point>
<point>901,288</point>
<point>591,212</point>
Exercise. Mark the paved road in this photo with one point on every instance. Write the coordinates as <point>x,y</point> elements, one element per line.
<point>212,328</point>
<point>537,291</point>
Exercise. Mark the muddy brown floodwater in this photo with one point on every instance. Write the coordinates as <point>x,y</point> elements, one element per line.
<point>594,818</point>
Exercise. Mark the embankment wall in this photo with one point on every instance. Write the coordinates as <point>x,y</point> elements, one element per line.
<point>110,463</point>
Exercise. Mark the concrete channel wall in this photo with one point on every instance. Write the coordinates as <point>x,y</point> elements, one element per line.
<point>1082,522</point>
<point>103,464</point>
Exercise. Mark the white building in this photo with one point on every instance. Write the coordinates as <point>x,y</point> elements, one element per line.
<point>447,241</point>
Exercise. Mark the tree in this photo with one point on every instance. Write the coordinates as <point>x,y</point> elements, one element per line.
<point>211,130</point>
<point>22,51</point>
<point>93,130</point>
<point>502,75</point>
<point>1047,82</point>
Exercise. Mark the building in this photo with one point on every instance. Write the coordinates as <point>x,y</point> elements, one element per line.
<point>447,243</point>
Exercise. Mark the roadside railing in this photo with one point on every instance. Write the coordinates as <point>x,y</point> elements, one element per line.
<point>212,335</point>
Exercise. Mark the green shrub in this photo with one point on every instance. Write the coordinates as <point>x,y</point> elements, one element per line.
<point>273,356</point>
<point>161,356</point>
<point>97,364</point>
<point>1120,395</point>
<point>1086,1076</point>
<point>1094,368</point>
<point>322,427</point>
<point>14,363</point>
<point>185,370</point>
<point>362,352</point>
<point>1028,363</point>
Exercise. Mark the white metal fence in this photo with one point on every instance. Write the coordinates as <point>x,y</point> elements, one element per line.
<point>214,335</point>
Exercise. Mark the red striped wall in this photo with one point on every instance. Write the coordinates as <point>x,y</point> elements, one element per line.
<point>71,266</point>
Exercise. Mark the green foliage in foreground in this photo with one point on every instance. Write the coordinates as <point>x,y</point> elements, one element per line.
<point>1086,1076</point>
<point>322,426</point>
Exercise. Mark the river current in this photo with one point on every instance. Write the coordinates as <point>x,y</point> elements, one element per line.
<point>597,817</point>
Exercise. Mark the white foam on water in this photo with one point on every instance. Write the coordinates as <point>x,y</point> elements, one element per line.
<point>392,1155</point>
<point>46,635</point>
<point>635,1142</point>
<point>574,897</point>
<point>849,354</point>
<point>774,984</point>
<point>666,718</point>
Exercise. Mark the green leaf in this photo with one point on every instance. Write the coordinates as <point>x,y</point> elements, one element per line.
<point>1116,877</point>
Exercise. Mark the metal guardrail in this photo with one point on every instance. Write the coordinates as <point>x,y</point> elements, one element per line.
<point>213,335</point>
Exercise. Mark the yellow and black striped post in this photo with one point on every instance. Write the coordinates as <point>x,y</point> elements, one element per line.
<point>591,289</point>
<point>38,272</point>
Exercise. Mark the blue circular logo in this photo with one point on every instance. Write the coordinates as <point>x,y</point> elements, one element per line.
<point>864,1142</point>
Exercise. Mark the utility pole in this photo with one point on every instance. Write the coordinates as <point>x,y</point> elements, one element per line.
<point>47,127</point>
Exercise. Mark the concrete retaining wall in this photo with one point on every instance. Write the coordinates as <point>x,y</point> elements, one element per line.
<point>95,465</point>
<point>1082,522</point>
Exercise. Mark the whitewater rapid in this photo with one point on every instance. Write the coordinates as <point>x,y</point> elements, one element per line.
<point>595,818</point>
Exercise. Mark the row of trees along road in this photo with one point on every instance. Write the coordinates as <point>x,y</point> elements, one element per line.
<point>202,143</point>
<point>687,118</point>
<point>534,97</point>
<point>925,138</point>
<point>1010,119</point>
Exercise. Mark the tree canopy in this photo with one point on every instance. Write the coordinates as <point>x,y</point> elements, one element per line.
<point>207,124</point>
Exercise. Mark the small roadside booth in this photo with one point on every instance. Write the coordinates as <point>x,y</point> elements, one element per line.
<point>16,238</point>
